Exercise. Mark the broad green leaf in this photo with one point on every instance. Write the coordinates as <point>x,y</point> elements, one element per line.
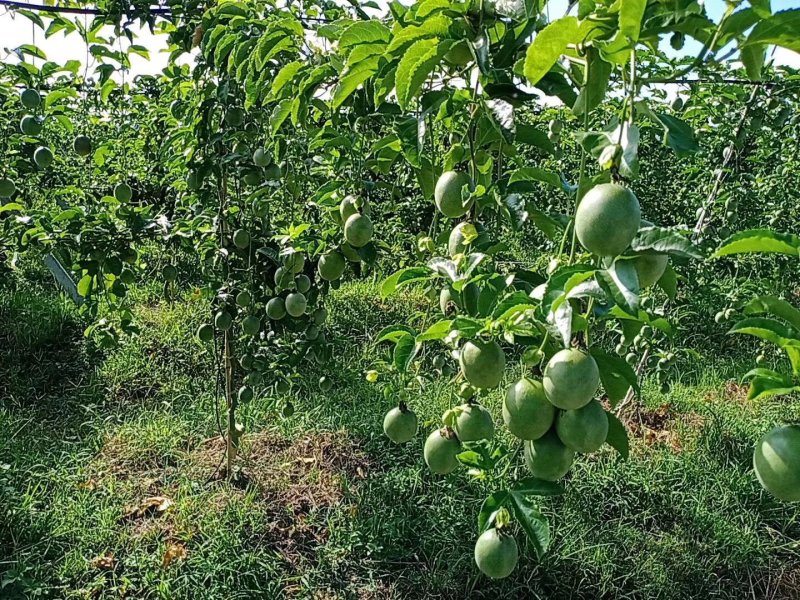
<point>594,92</point>
<point>532,486</point>
<point>404,352</point>
<point>533,522</point>
<point>548,45</point>
<point>85,285</point>
<point>781,29</point>
<point>364,32</point>
<point>617,436</point>
<point>530,135</point>
<point>669,282</point>
<point>621,282</point>
<point>664,241</point>
<point>775,306</point>
<point>436,26</point>
<point>528,174</point>
<point>616,374</point>
<point>403,277</point>
<point>765,383</point>
<point>354,78</point>
<point>416,64</point>
<point>758,241</point>
<point>279,114</point>
<point>285,76</point>
<point>437,331</point>
<point>393,333</point>
<point>630,18</point>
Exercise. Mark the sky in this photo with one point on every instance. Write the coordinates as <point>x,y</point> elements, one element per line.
<point>17,30</point>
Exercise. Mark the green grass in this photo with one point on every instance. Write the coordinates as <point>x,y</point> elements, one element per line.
<point>330,509</point>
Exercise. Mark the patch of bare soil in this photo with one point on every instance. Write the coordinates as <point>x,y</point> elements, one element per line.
<point>663,426</point>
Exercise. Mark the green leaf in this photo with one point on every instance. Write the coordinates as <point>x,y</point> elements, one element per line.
<point>528,174</point>
<point>664,241</point>
<point>753,60</point>
<point>403,277</point>
<point>279,114</point>
<point>416,64</point>
<point>489,508</point>
<point>404,352</point>
<point>678,134</point>
<point>669,282</point>
<point>781,29</point>
<point>758,241</point>
<point>548,46</point>
<point>616,374</point>
<point>766,383</point>
<point>775,306</point>
<point>393,333</point>
<point>85,285</point>
<point>617,436</point>
<point>621,282</point>
<point>354,77</point>
<point>285,76</point>
<point>532,486</point>
<point>533,523</point>
<point>530,135</point>
<point>630,18</point>
<point>364,32</point>
<point>593,93</point>
<point>435,26</point>
<point>437,331</point>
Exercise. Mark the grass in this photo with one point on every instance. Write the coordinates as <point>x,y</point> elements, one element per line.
<point>93,445</point>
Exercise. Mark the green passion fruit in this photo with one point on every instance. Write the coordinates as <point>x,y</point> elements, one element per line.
<point>123,192</point>
<point>459,54</point>
<point>7,187</point>
<point>205,333</point>
<point>447,194</point>
<point>261,158</point>
<point>474,423</point>
<point>445,298</point>
<point>294,261</point>
<point>43,157</point>
<point>456,243</point>
<point>776,461</point>
<point>527,412</point>
<point>169,273</point>
<point>276,309</point>
<point>234,116</point>
<point>584,429</point>
<point>325,384</point>
<point>358,230</point>
<point>223,320</point>
<point>400,424</point>
<point>30,98</point>
<point>245,394</point>
<point>350,253</point>
<point>241,239</point>
<point>571,378</point>
<point>496,553</point>
<point>348,207</point>
<point>331,266</point>
<point>30,125</point>
<point>607,219</point>
<point>548,458</point>
<point>251,325</point>
<point>441,451</point>
<point>482,363</point>
<point>650,267</point>
<point>296,304</point>
<point>82,145</point>
<point>244,299</point>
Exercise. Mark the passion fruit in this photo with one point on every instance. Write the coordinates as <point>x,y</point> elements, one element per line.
<point>526,410</point>
<point>296,304</point>
<point>584,429</point>
<point>571,378</point>
<point>400,424</point>
<point>358,230</point>
<point>276,309</point>
<point>441,451</point>
<point>776,461</point>
<point>123,193</point>
<point>496,553</point>
<point>447,194</point>
<point>331,266</point>
<point>650,267</point>
<point>548,458</point>
<point>482,363</point>
<point>474,423</point>
<point>607,219</point>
